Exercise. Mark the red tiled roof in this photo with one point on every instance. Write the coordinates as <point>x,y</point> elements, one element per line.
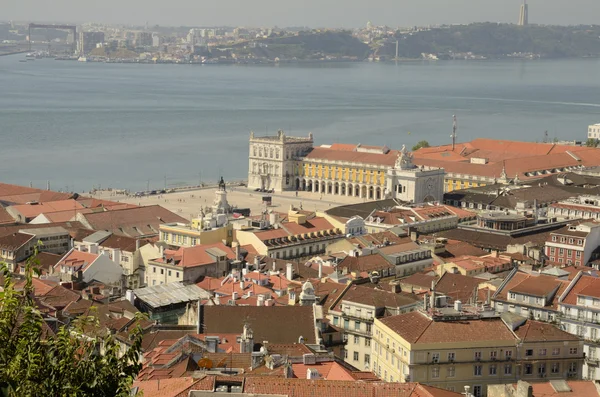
<point>166,387</point>
<point>132,222</point>
<point>515,157</point>
<point>331,154</point>
<point>537,331</point>
<point>457,286</point>
<point>33,210</point>
<point>415,327</point>
<point>5,217</point>
<point>579,388</point>
<point>579,286</point>
<point>339,388</point>
<point>77,259</point>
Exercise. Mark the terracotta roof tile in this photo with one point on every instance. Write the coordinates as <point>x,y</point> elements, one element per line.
<point>579,286</point>
<point>275,324</point>
<point>415,327</point>
<point>537,331</point>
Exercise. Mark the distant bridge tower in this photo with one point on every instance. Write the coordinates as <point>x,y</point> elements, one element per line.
<point>524,14</point>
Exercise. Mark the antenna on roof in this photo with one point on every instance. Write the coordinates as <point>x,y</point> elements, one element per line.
<point>546,136</point>
<point>454,128</point>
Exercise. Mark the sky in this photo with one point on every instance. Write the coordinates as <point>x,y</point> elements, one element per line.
<point>312,13</point>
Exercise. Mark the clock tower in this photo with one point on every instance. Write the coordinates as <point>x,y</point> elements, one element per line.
<point>407,182</point>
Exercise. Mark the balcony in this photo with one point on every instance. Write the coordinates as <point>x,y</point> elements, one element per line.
<point>592,361</point>
<point>355,317</point>
<point>579,318</point>
<point>360,332</point>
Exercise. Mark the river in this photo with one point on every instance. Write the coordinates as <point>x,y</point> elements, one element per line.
<point>81,125</point>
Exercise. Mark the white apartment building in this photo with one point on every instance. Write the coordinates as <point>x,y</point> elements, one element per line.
<point>579,309</point>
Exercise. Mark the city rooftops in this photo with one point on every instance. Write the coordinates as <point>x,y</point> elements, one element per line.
<point>170,294</point>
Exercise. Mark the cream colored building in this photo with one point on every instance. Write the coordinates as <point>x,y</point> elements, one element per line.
<point>273,160</point>
<point>301,236</point>
<point>452,352</point>
<point>282,162</point>
<point>189,264</point>
<point>182,235</point>
<point>354,312</point>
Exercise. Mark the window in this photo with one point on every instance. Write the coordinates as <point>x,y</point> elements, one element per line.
<point>477,356</point>
<point>507,369</point>
<point>493,355</point>
<point>357,325</point>
<point>573,368</point>
<point>493,369</point>
<point>367,342</point>
<point>345,354</point>
<point>542,352</point>
<point>435,357</point>
<point>508,354</point>
<point>478,391</point>
<point>169,273</point>
<point>367,359</point>
<point>162,271</point>
<point>578,254</point>
<point>435,372</point>
<point>573,350</point>
<point>542,369</point>
<point>513,295</point>
<point>556,351</point>
<point>346,323</point>
<point>154,269</point>
<point>451,356</point>
<point>369,328</point>
<point>477,370</point>
<point>555,368</point>
<point>528,352</point>
<point>451,371</point>
<point>528,369</point>
<point>355,356</point>
<point>356,340</point>
<point>177,274</point>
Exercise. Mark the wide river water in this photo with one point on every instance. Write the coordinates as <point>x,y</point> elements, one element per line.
<point>81,125</point>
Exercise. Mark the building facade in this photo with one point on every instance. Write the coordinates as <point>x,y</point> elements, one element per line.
<point>88,40</point>
<point>273,160</point>
<point>452,354</point>
<point>580,315</point>
<point>369,172</point>
<point>573,244</point>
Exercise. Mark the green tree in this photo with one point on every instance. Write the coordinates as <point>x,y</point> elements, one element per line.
<point>420,144</point>
<point>35,362</point>
<point>591,142</point>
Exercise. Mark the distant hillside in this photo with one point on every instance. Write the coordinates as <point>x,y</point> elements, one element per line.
<point>497,40</point>
<point>309,45</point>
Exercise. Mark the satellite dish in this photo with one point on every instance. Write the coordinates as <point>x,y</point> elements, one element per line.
<point>205,363</point>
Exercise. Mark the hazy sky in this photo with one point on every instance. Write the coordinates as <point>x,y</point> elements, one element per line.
<point>313,13</point>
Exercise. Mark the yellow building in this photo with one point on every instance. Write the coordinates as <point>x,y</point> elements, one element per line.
<point>452,352</point>
<point>182,235</point>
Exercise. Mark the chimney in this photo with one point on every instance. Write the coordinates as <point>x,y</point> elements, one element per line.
<point>242,285</point>
<point>237,251</point>
<point>432,302</point>
<point>257,262</point>
<point>234,296</point>
<point>260,301</point>
<point>320,269</point>
<point>458,306</point>
<point>289,274</point>
<point>137,244</point>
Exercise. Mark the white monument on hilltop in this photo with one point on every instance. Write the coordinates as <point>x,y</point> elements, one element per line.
<point>407,182</point>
